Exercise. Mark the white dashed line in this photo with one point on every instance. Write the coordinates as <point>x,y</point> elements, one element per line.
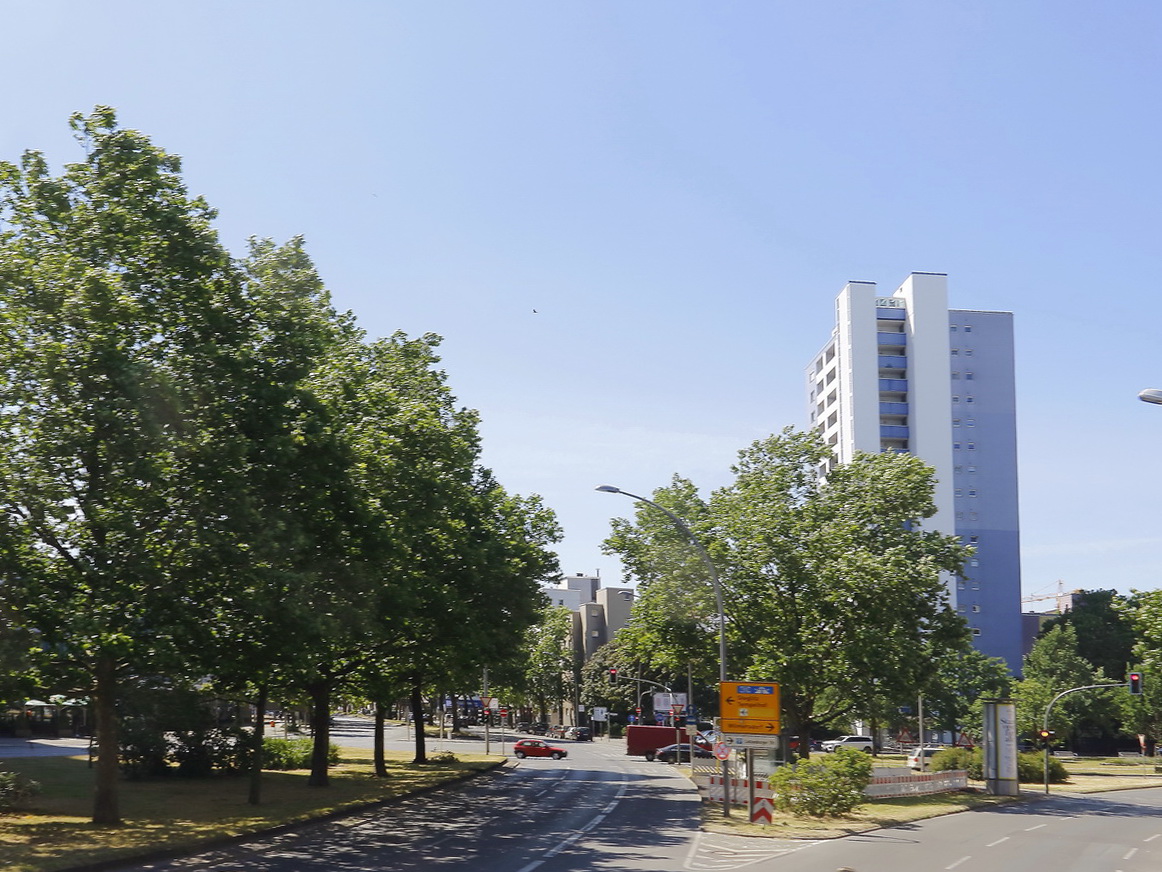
<point>1151,838</point>
<point>1030,829</point>
<point>1130,853</point>
<point>958,862</point>
<point>997,842</point>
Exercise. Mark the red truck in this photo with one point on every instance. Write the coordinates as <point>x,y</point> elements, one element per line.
<point>645,740</point>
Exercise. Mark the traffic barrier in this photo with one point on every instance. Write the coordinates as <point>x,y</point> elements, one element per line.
<point>918,784</point>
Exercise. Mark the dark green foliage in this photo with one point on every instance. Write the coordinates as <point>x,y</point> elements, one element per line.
<point>283,754</point>
<point>16,791</point>
<point>829,786</point>
<point>1105,635</point>
<point>1030,766</point>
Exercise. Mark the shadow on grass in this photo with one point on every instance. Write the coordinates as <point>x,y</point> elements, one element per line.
<point>173,812</point>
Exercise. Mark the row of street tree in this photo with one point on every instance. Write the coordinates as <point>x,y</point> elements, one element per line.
<point>210,477</point>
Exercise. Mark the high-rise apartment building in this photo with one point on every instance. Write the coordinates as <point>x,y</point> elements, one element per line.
<point>905,373</point>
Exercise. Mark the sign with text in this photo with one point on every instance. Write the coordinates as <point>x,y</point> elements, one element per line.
<point>749,707</point>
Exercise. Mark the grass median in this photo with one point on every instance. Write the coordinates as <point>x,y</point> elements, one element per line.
<point>174,814</point>
<point>1086,775</point>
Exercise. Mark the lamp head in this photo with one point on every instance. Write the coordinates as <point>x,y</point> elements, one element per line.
<point>1151,395</point>
<point>610,489</point>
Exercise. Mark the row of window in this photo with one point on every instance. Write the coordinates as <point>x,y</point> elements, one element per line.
<point>968,422</point>
<point>961,492</point>
<point>956,352</point>
<point>956,399</point>
<point>967,328</point>
<point>971,446</point>
<point>968,376</point>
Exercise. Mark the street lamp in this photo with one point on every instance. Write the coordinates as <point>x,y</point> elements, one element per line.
<point>1151,395</point>
<point>681,525</point>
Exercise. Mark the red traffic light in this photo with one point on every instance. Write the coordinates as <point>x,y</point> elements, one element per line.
<point>1135,682</point>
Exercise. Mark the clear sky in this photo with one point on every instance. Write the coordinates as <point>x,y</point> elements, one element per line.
<point>629,220</point>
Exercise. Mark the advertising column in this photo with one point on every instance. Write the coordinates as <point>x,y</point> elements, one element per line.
<point>1000,747</point>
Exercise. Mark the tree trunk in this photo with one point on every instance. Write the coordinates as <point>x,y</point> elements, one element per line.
<point>418,714</point>
<point>106,805</point>
<point>380,762</point>
<point>255,796</point>
<point>321,730</point>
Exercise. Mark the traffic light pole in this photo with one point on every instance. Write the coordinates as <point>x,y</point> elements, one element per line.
<point>1045,723</point>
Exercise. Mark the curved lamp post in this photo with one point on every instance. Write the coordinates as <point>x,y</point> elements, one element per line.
<point>1151,395</point>
<point>681,525</point>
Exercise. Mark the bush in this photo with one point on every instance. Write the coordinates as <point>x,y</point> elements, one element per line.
<point>970,760</point>
<point>826,787</point>
<point>1030,766</point>
<point>292,753</point>
<point>16,790</point>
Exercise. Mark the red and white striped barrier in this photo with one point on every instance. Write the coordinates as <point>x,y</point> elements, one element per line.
<point>918,784</point>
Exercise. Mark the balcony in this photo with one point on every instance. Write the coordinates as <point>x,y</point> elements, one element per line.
<point>893,361</point>
<point>893,432</point>
<point>893,385</point>
<point>898,409</point>
<point>892,340</point>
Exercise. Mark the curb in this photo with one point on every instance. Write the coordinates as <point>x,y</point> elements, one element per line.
<point>163,854</point>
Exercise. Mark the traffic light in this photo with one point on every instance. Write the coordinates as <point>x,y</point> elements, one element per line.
<point>1046,736</point>
<point>1135,683</point>
<point>613,673</point>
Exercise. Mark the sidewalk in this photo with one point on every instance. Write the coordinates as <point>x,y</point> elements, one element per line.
<point>10,748</point>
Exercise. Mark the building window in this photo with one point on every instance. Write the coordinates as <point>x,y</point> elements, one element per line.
<point>972,516</point>
<point>957,470</point>
<point>968,375</point>
<point>955,422</point>
<point>976,609</point>
<point>960,584</point>
<point>970,399</point>
<point>971,446</point>
<point>955,398</point>
<point>952,327</point>
<point>972,469</point>
<point>974,562</point>
<point>972,492</point>
<point>967,328</point>
<point>956,446</point>
<point>974,539</point>
<point>955,374</point>
<point>959,492</point>
<point>976,631</point>
<point>970,422</point>
<point>960,516</point>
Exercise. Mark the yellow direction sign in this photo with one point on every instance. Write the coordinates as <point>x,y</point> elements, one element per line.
<point>749,707</point>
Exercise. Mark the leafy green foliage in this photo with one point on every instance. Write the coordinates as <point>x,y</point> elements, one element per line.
<point>16,791</point>
<point>830,786</point>
<point>286,754</point>
<point>1052,666</point>
<point>1030,765</point>
<point>832,587</point>
<point>1105,636</point>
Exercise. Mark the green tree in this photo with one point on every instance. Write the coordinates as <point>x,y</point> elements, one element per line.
<point>1105,636</point>
<point>1142,715</point>
<point>121,320</point>
<point>548,677</point>
<point>1054,666</point>
<point>834,585</point>
<point>961,677</point>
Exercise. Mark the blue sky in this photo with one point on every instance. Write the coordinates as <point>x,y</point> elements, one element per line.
<point>679,190</point>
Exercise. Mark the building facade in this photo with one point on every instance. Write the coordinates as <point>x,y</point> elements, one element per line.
<point>905,373</point>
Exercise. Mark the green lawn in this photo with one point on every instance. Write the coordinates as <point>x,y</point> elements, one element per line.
<point>174,813</point>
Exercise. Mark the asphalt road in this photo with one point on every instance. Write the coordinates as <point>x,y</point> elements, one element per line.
<point>596,809</point>
<point>601,810</point>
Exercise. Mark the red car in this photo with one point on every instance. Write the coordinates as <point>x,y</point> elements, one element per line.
<point>537,748</point>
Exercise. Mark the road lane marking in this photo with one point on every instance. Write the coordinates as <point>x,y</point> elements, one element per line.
<point>1130,853</point>
<point>958,862</point>
<point>997,842</point>
<point>1152,838</point>
<point>1030,829</point>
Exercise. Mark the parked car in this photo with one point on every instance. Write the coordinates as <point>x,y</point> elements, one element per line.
<point>857,743</point>
<point>537,748</point>
<point>675,753</point>
<point>538,729</point>
<point>557,731</point>
<point>928,751</point>
<point>579,734</point>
